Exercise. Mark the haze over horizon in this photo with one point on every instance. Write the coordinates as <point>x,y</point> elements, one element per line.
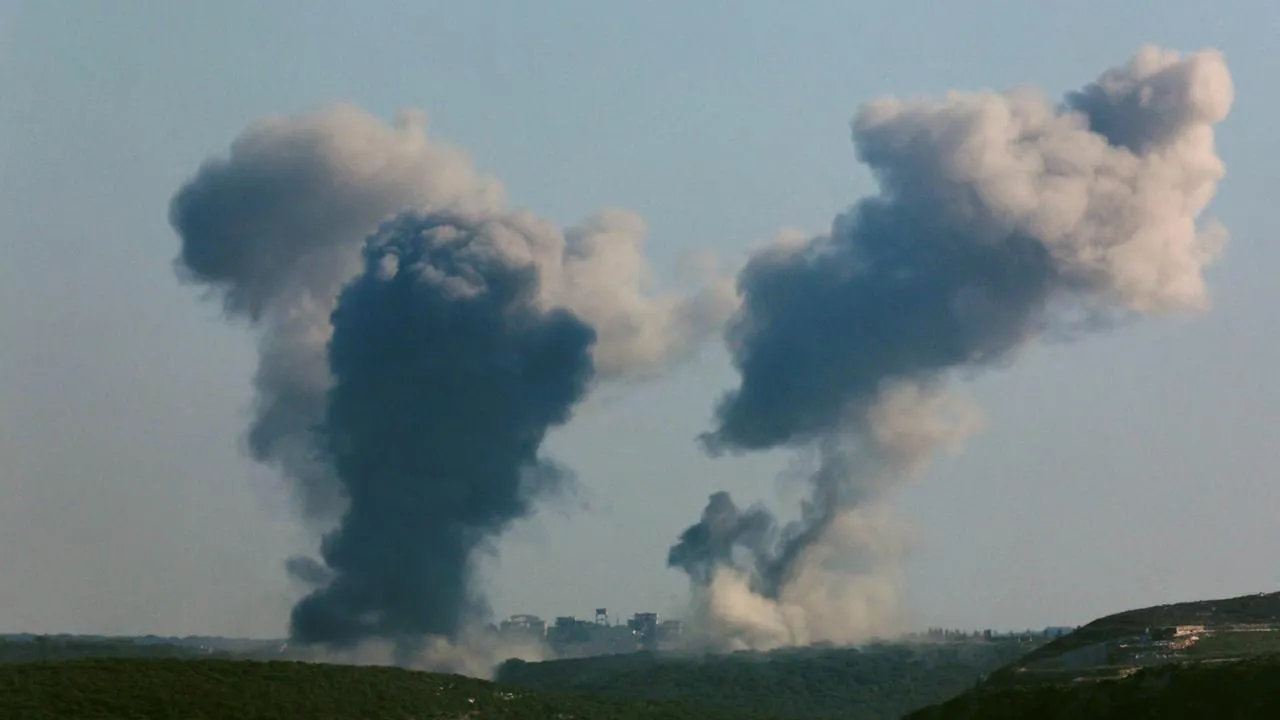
<point>1129,470</point>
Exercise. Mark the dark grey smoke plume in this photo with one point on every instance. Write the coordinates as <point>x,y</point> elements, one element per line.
<point>405,383</point>
<point>447,377</point>
<point>724,531</point>
<point>998,216</point>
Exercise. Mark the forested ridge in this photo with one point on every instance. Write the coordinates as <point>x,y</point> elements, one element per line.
<point>879,681</point>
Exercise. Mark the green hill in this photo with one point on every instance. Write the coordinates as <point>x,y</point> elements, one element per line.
<point>137,689</point>
<point>879,681</point>
<point>1203,659</point>
<point>1111,646</point>
<point>1218,690</point>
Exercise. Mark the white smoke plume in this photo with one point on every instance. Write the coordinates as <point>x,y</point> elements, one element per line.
<point>845,590</point>
<point>1000,217</point>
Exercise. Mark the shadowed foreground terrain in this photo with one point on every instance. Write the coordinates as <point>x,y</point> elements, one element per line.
<point>1219,690</point>
<point>121,688</point>
<point>124,677</point>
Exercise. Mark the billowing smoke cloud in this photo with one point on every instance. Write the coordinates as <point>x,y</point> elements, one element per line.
<point>1000,217</point>
<point>418,340</point>
<point>276,230</point>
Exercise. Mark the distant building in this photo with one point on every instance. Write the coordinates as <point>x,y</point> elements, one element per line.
<point>530,626</point>
<point>645,626</point>
<point>569,630</point>
<point>670,632</point>
<point>571,637</point>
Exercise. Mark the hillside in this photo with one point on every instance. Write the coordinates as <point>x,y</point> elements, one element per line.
<point>137,689</point>
<point>879,681</point>
<point>1112,646</point>
<point>1219,690</point>
<point>1210,658</point>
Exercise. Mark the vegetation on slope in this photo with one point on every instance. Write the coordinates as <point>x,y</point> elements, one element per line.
<point>110,689</point>
<point>882,681</point>
<point>1223,691</point>
<point>1248,609</point>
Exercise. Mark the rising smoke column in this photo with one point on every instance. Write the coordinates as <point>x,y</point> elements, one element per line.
<point>999,217</point>
<point>417,340</point>
<point>447,378</point>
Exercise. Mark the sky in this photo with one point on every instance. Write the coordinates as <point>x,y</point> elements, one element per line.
<point>1130,468</point>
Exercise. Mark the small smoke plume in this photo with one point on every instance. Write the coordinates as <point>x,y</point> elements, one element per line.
<point>1000,217</point>
<point>417,341</point>
<point>721,537</point>
<point>845,591</point>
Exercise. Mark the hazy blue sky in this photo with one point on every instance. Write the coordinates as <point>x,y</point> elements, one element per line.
<point>1129,468</point>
